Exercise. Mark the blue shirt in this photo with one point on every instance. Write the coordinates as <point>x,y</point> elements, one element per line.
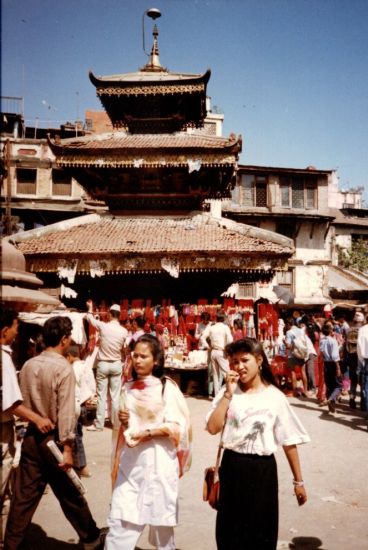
<point>329,349</point>
<point>290,336</point>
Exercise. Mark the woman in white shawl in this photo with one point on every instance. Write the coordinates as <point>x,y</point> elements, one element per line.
<point>152,451</point>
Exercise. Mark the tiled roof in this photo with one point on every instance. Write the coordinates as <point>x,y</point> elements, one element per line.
<point>152,235</point>
<point>123,141</point>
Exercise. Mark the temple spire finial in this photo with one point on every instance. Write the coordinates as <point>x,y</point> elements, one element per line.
<point>154,64</point>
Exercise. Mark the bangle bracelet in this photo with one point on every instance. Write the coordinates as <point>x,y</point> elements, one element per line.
<point>298,483</point>
<point>227,396</point>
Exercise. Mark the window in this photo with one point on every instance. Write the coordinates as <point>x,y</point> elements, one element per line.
<point>246,290</point>
<point>89,124</point>
<point>284,278</point>
<point>26,181</point>
<point>298,192</point>
<point>61,183</point>
<point>285,194</point>
<point>253,190</point>
<point>210,128</point>
<point>310,197</point>
<point>284,281</point>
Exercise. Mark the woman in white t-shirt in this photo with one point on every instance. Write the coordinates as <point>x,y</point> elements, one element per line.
<point>258,418</point>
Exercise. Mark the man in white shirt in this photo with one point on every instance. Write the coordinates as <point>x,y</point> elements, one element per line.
<point>218,335</point>
<point>12,398</point>
<point>295,334</point>
<point>362,349</point>
<point>109,363</point>
<point>200,328</point>
<point>311,359</point>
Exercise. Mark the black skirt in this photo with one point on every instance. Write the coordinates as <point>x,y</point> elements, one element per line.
<point>247,518</point>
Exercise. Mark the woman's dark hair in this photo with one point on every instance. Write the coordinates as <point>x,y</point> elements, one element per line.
<point>7,318</point>
<point>252,346</point>
<point>157,353</point>
<point>311,329</point>
<point>54,329</point>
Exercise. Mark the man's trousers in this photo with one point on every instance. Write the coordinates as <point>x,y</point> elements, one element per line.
<point>36,469</point>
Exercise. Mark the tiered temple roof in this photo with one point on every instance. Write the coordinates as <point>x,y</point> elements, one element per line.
<point>197,242</point>
<point>173,172</point>
<point>154,160</point>
<point>147,102</point>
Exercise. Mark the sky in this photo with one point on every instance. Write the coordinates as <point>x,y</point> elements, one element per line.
<point>290,76</point>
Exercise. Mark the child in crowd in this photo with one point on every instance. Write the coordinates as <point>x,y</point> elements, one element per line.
<point>85,389</point>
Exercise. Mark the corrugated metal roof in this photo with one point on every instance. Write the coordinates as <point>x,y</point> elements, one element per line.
<point>341,279</point>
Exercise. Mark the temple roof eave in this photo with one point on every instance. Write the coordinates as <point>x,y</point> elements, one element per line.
<point>156,263</point>
<point>138,81</point>
<point>207,161</point>
<point>123,144</point>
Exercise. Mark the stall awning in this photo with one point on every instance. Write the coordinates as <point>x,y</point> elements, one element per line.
<point>342,279</point>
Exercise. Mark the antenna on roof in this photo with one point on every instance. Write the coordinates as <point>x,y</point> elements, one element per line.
<point>49,108</point>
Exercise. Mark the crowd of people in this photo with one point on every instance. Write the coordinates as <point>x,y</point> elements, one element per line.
<point>151,423</point>
<point>47,388</point>
<point>329,355</point>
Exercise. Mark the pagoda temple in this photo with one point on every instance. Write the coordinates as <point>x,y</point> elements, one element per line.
<point>155,160</point>
<point>154,171</point>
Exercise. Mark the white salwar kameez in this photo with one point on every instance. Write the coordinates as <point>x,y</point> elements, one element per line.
<point>146,488</point>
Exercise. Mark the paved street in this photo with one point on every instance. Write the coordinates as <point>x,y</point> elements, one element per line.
<point>334,468</point>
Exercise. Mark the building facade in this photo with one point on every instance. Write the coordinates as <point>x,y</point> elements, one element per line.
<point>293,203</point>
<point>34,191</point>
<point>297,203</point>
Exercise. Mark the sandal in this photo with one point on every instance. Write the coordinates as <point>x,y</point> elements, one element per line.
<point>84,472</point>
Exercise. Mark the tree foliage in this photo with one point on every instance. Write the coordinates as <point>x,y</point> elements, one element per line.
<point>356,257</point>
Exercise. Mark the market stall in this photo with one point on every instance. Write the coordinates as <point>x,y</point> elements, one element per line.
<point>175,325</point>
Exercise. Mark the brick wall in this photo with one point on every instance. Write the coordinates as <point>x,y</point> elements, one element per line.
<point>98,122</point>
